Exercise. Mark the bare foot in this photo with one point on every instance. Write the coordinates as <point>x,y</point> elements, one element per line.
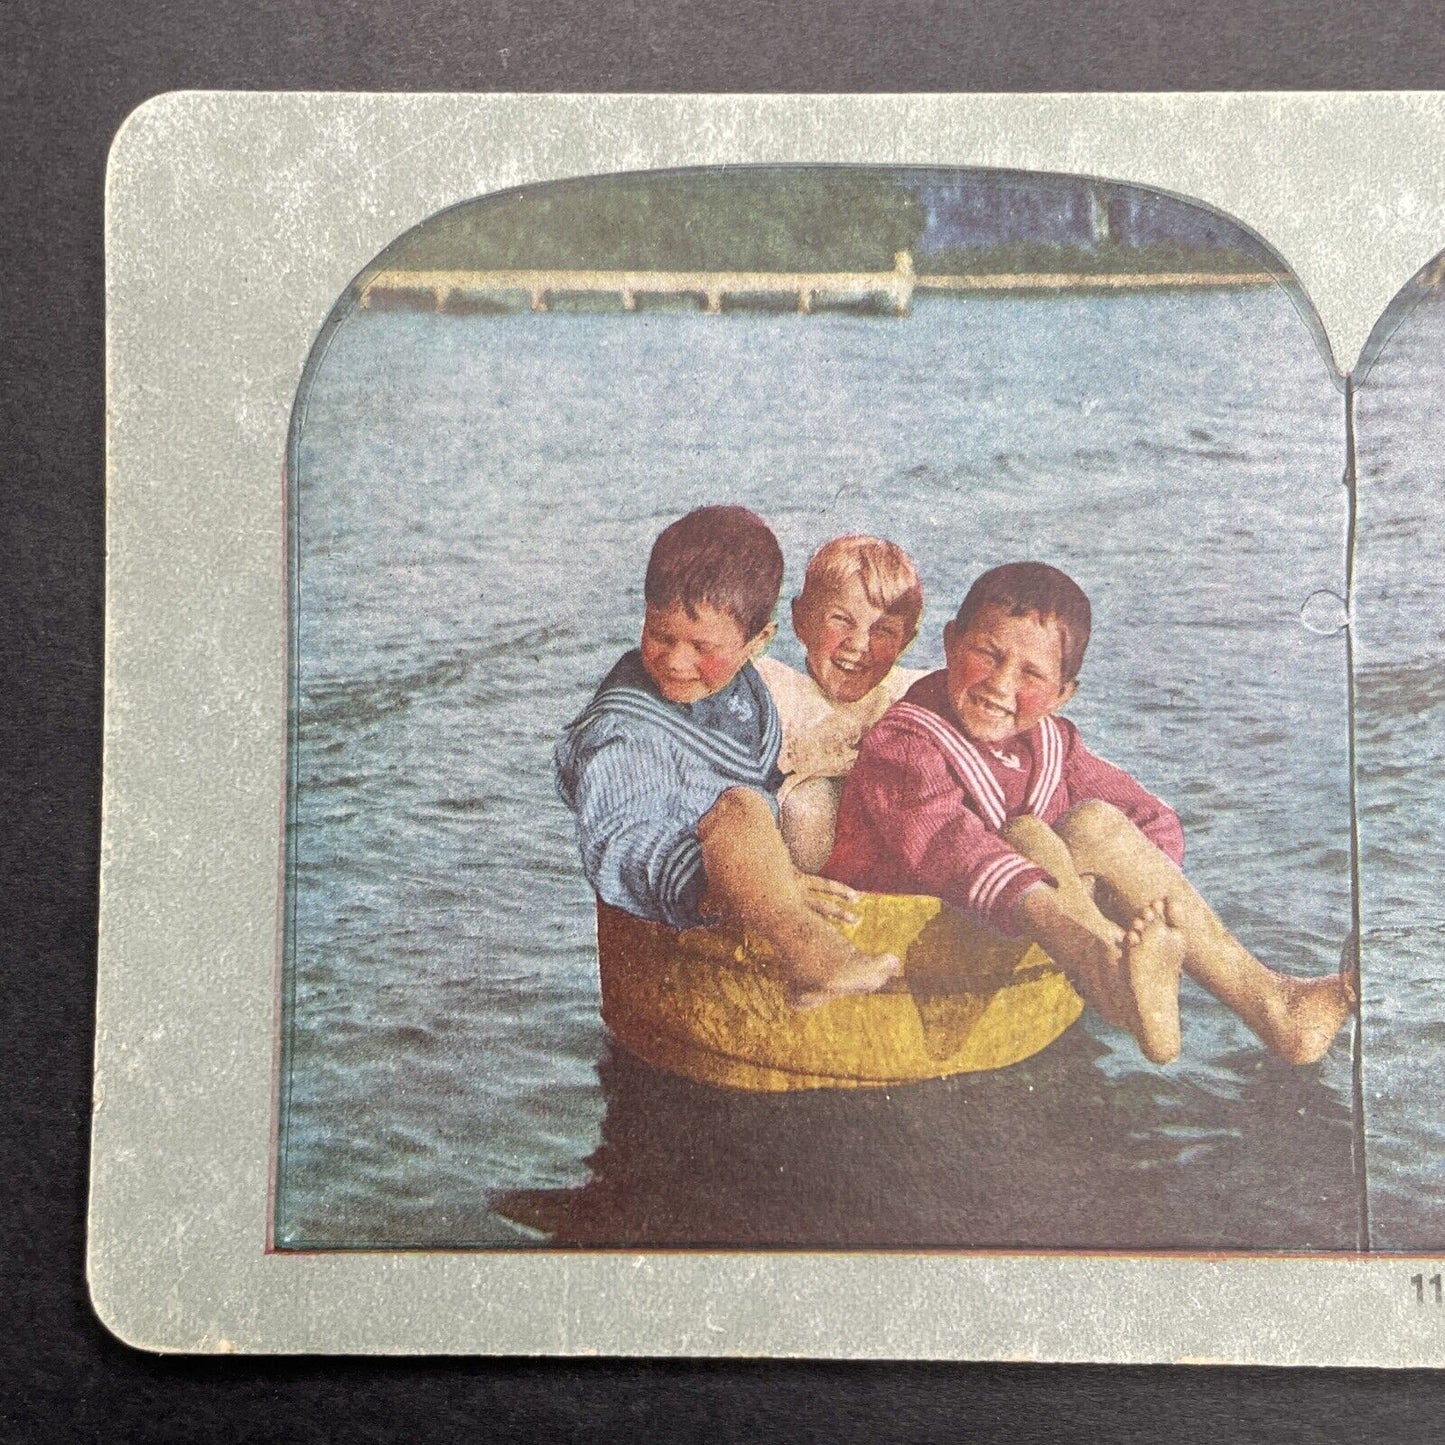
<point>1153,956</point>
<point>841,970</point>
<point>1306,1015</point>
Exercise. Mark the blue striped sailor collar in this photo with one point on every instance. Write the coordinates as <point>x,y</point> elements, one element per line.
<point>736,728</point>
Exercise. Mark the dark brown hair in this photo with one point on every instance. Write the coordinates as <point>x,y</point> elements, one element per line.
<point>725,557</point>
<point>1024,588</point>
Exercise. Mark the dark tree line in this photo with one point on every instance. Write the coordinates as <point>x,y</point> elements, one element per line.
<point>830,218</point>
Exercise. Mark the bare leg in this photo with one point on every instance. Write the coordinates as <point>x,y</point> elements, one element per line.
<point>752,881</point>
<point>1140,991</point>
<point>810,814</point>
<point>1153,960</point>
<point>1295,1018</point>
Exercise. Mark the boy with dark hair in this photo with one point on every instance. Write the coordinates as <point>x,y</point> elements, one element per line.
<point>671,770</point>
<point>972,789</point>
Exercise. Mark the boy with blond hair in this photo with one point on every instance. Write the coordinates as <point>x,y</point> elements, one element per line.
<point>857,614</point>
<point>972,789</point>
<point>671,770</point>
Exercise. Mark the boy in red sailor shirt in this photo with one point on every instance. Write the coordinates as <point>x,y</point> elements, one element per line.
<point>972,790</point>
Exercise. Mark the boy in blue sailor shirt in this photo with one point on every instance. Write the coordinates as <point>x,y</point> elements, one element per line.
<point>671,770</point>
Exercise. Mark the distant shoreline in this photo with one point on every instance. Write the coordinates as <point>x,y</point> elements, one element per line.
<point>1092,281</point>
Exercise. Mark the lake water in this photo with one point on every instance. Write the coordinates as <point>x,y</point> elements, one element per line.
<point>1400,720</point>
<point>475,500</point>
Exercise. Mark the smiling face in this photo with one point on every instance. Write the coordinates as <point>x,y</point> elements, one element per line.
<point>1004,673</point>
<point>691,655</point>
<point>852,644</point>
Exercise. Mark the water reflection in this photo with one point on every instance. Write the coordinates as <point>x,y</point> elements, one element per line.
<point>1050,1153</point>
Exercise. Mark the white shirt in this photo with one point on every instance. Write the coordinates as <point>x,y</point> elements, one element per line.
<point>820,736</point>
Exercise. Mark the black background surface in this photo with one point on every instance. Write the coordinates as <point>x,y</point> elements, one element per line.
<point>68,76</point>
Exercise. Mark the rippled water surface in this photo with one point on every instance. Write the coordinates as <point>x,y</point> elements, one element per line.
<point>1400,720</point>
<point>475,500</point>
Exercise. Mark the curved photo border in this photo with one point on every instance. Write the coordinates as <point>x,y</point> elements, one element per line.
<point>233,222</point>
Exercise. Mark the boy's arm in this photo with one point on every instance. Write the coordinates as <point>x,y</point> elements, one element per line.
<point>639,843</point>
<point>906,796</point>
<point>919,810</point>
<point>1092,778</point>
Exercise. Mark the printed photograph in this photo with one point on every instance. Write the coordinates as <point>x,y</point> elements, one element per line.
<point>1399,643</point>
<point>820,717</point>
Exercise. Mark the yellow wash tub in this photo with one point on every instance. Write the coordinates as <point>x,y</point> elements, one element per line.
<point>704,1003</point>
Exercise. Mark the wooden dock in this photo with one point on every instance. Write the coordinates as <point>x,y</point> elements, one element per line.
<point>800,291</point>
<point>890,292</point>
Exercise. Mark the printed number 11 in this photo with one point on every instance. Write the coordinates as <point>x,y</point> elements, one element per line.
<point>1419,1281</point>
